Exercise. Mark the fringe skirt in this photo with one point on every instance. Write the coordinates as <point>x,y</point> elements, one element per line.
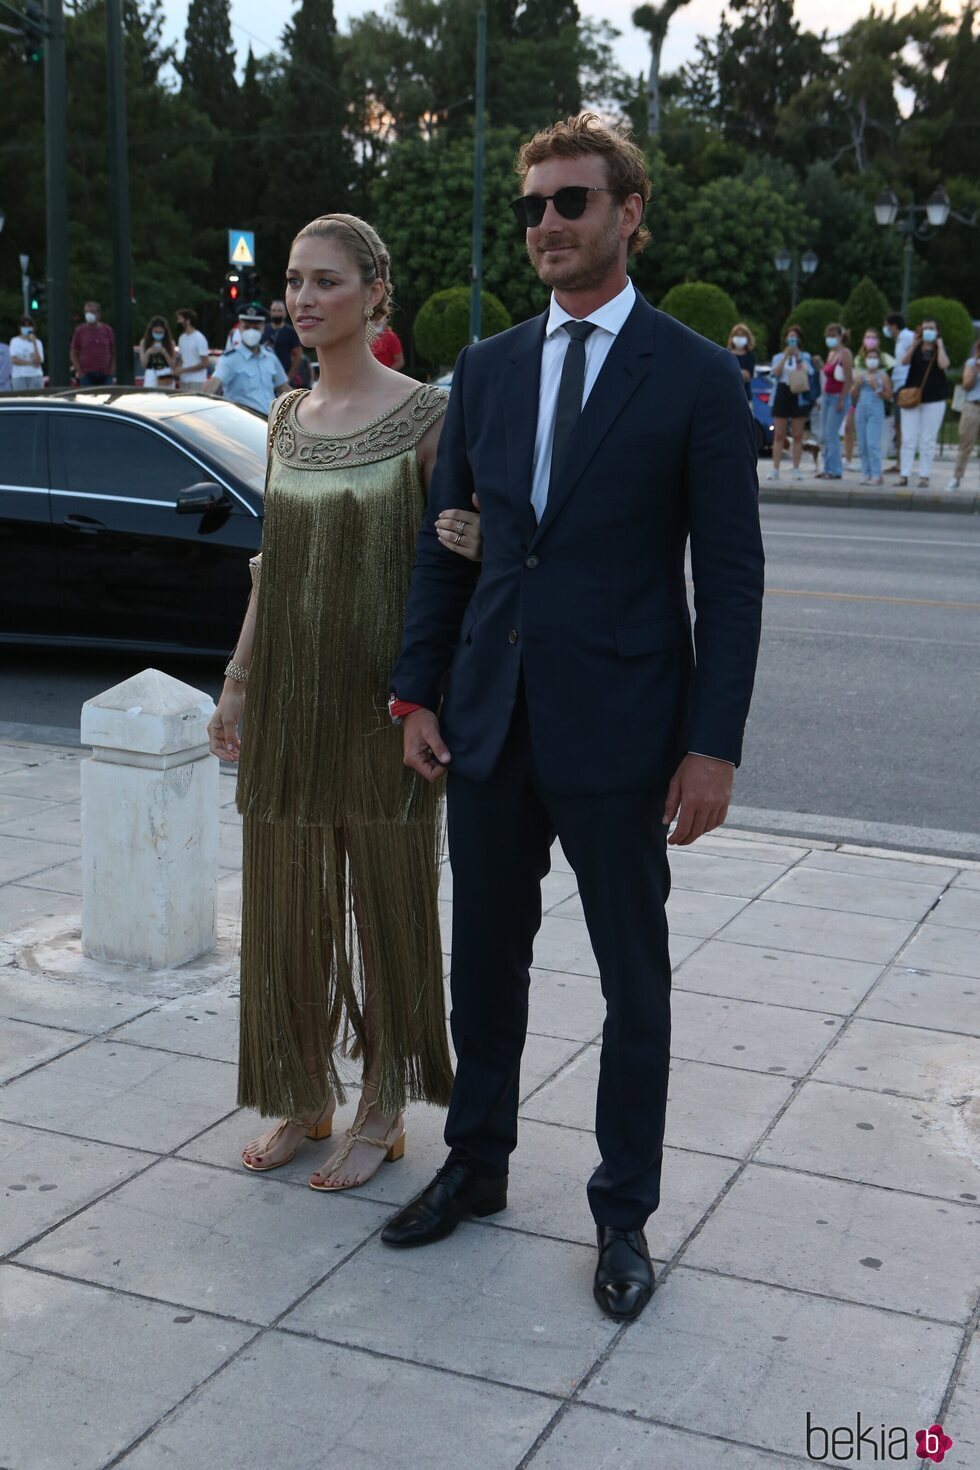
<point>325,908</point>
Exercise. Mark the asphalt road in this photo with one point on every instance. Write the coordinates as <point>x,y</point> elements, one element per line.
<point>866,717</point>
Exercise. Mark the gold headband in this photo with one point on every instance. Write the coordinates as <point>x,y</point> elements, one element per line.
<point>338,219</point>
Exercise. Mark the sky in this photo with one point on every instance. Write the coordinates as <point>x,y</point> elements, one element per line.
<point>260,23</point>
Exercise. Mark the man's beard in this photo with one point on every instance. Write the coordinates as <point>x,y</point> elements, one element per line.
<point>590,267</point>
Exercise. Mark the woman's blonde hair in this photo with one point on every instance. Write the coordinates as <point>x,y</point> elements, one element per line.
<point>744,331</point>
<point>366,249</point>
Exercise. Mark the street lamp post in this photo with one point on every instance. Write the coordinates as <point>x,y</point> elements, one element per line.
<point>807,262</point>
<point>937,210</point>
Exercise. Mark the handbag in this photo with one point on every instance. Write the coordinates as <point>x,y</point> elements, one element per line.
<point>798,380</point>
<point>912,397</point>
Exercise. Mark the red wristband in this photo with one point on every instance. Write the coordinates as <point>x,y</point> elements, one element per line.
<point>399,708</point>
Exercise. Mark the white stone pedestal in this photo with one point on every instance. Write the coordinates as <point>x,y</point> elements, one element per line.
<point>149,824</point>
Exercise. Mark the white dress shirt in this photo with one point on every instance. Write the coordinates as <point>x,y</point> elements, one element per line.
<point>609,321</point>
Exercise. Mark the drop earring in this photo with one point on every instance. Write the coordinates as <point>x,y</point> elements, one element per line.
<point>370,330</point>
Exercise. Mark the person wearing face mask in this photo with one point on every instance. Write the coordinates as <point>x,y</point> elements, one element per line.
<point>791,369</point>
<point>870,392</point>
<point>93,349</point>
<point>923,400</point>
<point>837,381</point>
<point>899,338</point>
<point>969,416</point>
<point>742,343</point>
<point>191,367</point>
<point>26,358</point>
<point>251,373</point>
<point>157,354</point>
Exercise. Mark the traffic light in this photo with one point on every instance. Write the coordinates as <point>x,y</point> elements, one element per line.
<point>37,295</point>
<point>32,30</point>
<point>232,293</point>
<point>249,283</point>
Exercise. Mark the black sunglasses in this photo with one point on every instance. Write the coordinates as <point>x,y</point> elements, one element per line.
<point>570,203</point>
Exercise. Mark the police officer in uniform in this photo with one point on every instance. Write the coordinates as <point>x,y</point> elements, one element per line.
<point>251,373</point>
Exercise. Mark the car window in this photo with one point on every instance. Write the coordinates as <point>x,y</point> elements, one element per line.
<point>97,455</point>
<point>231,436</point>
<point>19,433</point>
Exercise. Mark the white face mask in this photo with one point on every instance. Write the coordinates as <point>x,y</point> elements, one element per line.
<point>251,336</point>
<point>90,316</point>
<point>873,363</point>
<point>929,334</point>
<point>158,336</point>
<point>26,331</point>
<point>740,342</point>
<point>832,341</point>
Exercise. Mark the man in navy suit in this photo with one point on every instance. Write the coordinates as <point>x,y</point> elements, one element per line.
<point>597,438</point>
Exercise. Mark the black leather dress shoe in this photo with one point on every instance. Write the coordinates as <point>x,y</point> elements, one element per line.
<point>454,1193</point>
<point>624,1276</point>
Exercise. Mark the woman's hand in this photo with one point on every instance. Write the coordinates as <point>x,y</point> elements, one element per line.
<point>459,531</point>
<point>223,725</point>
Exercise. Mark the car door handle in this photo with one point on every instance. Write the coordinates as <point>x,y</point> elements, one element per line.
<point>84,524</point>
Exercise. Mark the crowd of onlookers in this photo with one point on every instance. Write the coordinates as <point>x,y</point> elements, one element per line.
<point>899,372</point>
<point>845,396</point>
<point>262,355</point>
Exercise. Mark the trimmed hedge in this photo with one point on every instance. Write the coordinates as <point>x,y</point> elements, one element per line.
<point>865,308</point>
<point>704,308</point>
<point>442,327</point>
<point>953,321</point>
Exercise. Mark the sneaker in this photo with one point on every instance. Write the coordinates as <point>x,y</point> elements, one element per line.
<point>797,474</point>
<point>923,482</point>
<point>773,475</point>
<point>954,484</point>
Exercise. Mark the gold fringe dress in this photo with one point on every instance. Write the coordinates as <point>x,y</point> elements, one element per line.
<point>341,841</point>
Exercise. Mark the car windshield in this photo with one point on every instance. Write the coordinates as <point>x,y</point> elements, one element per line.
<point>233,437</point>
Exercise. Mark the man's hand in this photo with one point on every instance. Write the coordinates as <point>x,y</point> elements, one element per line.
<point>425,750</point>
<point>700,790</point>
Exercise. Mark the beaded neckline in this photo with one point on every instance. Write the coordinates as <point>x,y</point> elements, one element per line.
<point>397,429</point>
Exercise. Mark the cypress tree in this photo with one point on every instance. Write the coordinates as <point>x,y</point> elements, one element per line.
<point>207,71</point>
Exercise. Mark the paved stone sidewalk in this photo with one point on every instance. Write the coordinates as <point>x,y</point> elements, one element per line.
<point>817,1249</point>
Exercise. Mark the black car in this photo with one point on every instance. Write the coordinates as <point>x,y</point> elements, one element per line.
<point>127,518</point>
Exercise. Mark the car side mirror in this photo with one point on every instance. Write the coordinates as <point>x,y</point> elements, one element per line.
<point>196,500</point>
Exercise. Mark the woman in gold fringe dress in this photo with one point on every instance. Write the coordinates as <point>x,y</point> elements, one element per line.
<point>340,953</point>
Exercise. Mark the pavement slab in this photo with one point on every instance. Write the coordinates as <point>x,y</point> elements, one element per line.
<point>45,1177</point>
<point>90,1370</point>
<point>748,1362</point>
<point>815,1241</point>
<point>352,1410</point>
<point>851,1241</point>
<point>487,1302</point>
<point>184,1233</point>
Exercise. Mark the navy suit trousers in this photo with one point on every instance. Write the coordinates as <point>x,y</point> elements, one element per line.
<point>500,835</point>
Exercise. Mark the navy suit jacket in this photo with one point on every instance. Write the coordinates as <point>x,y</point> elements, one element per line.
<point>593,601</point>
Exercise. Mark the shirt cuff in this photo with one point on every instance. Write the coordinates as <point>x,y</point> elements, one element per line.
<point>713,758</point>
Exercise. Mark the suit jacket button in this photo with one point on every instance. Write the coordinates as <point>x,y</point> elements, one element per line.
<point>531,562</point>
<point>512,636</point>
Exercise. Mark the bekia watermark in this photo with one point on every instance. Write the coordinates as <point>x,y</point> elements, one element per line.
<point>870,1445</point>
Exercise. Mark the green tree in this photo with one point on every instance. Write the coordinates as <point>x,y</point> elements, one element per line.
<point>442,327</point>
<point>654,19</point>
<point>306,151</point>
<point>728,234</point>
<point>207,70</point>
<point>702,307</point>
<point>865,308</point>
<point>848,242</point>
<point>811,316</point>
<point>422,207</point>
<point>953,321</point>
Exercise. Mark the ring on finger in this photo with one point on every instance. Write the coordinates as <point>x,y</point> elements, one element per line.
<point>459,526</point>
<point>459,537</point>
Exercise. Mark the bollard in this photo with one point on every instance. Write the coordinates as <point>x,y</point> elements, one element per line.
<point>149,824</point>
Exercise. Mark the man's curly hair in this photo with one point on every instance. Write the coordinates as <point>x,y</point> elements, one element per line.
<point>585,134</point>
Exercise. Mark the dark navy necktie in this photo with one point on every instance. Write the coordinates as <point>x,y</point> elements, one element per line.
<point>570,391</point>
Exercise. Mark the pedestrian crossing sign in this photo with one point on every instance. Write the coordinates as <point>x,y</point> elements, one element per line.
<point>241,247</point>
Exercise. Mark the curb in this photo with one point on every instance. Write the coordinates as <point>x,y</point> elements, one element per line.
<point>945,500</point>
